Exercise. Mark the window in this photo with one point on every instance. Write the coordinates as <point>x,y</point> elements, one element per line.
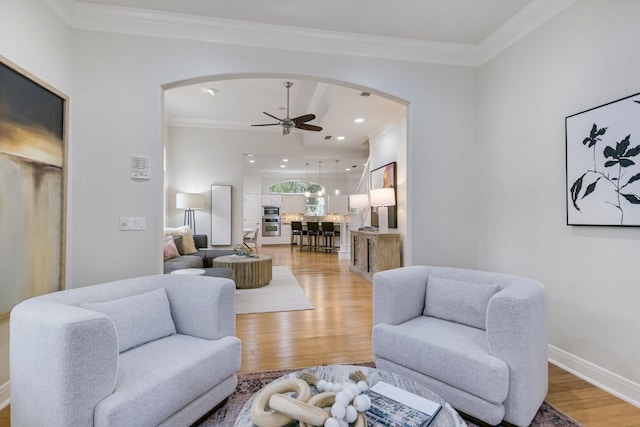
<point>314,206</point>
<point>294,187</point>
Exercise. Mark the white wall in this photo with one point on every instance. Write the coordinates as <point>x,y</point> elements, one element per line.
<point>390,145</point>
<point>33,37</point>
<point>118,79</point>
<point>586,56</point>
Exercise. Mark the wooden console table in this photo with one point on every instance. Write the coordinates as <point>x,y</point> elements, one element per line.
<point>372,252</point>
<point>248,272</point>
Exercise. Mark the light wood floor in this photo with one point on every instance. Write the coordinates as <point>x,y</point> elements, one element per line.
<point>339,331</point>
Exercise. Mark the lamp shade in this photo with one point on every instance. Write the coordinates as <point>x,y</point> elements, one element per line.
<point>359,201</point>
<point>382,197</point>
<point>189,201</point>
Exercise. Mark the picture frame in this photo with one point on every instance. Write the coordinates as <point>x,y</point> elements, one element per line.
<point>385,177</point>
<point>33,184</point>
<point>603,164</point>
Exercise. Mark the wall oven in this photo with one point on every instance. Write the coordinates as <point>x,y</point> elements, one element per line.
<point>271,226</point>
<point>271,211</point>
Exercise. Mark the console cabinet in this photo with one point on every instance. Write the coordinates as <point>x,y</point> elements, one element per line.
<point>372,252</point>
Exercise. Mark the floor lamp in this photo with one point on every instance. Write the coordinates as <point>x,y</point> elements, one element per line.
<point>383,197</point>
<point>189,202</point>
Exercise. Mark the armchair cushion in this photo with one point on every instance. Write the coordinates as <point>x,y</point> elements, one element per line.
<point>160,378</point>
<point>447,351</point>
<point>457,301</point>
<point>138,319</point>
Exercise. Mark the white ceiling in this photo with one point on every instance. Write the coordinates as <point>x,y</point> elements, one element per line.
<point>452,31</point>
<point>239,103</point>
<point>457,21</point>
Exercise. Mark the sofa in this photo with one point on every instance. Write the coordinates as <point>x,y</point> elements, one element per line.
<point>478,339</point>
<point>157,350</point>
<point>201,258</point>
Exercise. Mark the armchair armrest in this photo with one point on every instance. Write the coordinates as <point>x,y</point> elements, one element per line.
<point>399,294</point>
<point>517,334</point>
<point>203,306</point>
<point>63,362</point>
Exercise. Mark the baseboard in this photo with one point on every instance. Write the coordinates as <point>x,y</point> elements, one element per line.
<point>5,395</point>
<point>606,380</point>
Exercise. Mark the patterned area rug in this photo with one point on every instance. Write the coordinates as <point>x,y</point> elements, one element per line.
<point>251,383</point>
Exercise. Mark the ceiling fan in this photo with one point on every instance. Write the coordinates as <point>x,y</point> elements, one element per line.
<point>287,123</point>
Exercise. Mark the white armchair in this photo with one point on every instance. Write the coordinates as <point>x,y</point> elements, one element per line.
<point>478,339</point>
<point>148,351</point>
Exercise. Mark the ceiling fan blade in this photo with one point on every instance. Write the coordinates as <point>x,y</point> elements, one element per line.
<point>303,119</point>
<point>305,126</point>
<point>267,124</point>
<point>272,116</point>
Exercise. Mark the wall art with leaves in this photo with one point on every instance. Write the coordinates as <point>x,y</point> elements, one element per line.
<point>603,164</point>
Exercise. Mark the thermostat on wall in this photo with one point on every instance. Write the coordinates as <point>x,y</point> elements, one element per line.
<point>140,168</point>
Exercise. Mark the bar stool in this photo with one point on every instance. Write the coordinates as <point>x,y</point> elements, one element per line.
<point>313,230</point>
<point>327,233</point>
<point>297,231</point>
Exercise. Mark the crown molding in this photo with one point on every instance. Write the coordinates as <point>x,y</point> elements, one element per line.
<point>143,22</point>
<point>522,23</point>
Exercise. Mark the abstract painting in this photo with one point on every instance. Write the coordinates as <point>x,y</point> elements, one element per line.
<point>385,177</point>
<point>32,187</point>
<point>603,164</point>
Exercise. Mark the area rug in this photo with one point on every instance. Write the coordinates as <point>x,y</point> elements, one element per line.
<point>283,293</point>
<point>250,383</point>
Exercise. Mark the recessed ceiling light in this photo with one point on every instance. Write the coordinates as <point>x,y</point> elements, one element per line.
<point>252,161</point>
<point>359,120</point>
<point>285,160</point>
<point>212,91</point>
<point>348,169</point>
<point>340,138</point>
<point>283,166</point>
<point>249,155</point>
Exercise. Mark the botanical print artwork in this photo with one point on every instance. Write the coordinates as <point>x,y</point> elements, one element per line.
<point>603,164</point>
<point>31,189</point>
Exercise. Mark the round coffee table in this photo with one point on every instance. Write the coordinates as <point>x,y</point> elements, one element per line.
<point>447,417</point>
<point>248,272</point>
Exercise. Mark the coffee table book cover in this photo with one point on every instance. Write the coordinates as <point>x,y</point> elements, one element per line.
<point>394,407</point>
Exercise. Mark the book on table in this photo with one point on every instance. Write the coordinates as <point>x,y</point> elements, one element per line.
<point>394,407</point>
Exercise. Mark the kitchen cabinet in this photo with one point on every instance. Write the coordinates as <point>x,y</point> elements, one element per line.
<point>271,199</point>
<point>338,205</point>
<point>292,204</point>
<point>372,252</point>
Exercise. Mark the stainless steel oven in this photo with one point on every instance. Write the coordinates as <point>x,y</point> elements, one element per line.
<point>269,211</point>
<point>271,225</point>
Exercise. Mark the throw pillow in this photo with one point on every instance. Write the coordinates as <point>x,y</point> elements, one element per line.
<point>170,249</point>
<point>460,302</point>
<point>178,241</point>
<point>138,318</point>
<point>188,244</point>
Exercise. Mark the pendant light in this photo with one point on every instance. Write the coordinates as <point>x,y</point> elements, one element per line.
<point>320,192</point>
<point>337,191</point>
<point>307,193</point>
